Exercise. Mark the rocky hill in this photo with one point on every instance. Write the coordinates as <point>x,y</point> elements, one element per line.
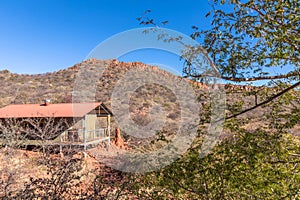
<point>59,87</point>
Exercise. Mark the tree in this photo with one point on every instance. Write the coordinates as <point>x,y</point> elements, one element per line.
<point>258,159</point>
<point>250,37</point>
<point>247,40</point>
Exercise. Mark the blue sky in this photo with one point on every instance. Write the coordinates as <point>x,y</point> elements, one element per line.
<point>40,36</point>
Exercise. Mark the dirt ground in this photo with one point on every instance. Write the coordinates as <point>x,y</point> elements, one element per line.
<point>20,166</point>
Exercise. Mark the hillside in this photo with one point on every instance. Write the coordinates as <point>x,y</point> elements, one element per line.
<point>58,86</point>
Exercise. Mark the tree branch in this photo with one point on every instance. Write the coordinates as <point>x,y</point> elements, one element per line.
<point>294,73</point>
<point>266,101</point>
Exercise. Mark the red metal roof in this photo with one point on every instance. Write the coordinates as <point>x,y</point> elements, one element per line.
<point>51,110</point>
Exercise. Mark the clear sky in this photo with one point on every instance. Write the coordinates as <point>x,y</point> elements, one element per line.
<point>40,36</point>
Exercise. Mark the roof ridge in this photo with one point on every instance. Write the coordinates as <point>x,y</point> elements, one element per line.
<point>51,103</point>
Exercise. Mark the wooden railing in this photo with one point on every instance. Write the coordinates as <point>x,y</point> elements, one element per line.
<point>82,135</point>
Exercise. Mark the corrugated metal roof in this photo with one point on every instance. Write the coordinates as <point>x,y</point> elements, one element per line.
<point>52,110</point>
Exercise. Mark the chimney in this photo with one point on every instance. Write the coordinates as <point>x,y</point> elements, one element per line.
<point>46,102</point>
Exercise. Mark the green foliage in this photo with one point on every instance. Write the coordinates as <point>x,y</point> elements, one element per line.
<point>258,159</point>
<point>249,165</point>
<point>247,37</point>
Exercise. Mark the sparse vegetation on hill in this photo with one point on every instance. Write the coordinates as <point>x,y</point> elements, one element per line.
<point>251,145</point>
<point>255,157</point>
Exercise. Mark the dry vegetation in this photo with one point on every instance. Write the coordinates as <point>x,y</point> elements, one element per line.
<point>58,86</point>
<point>33,175</point>
<point>25,174</point>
